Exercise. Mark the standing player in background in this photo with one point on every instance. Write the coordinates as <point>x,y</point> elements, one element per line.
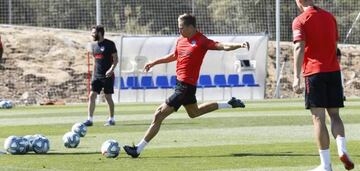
<point>1,49</point>
<point>105,54</point>
<point>315,51</point>
<point>191,48</point>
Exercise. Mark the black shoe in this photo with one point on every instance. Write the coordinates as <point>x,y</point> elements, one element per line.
<point>131,151</point>
<point>234,102</point>
<point>88,123</point>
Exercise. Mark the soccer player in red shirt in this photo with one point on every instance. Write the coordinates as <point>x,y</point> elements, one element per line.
<point>315,41</point>
<point>191,48</point>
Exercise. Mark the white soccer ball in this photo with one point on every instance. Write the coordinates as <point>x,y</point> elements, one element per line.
<point>80,129</point>
<point>6,104</point>
<point>40,144</point>
<point>30,139</point>
<point>110,149</point>
<point>16,145</point>
<point>71,140</point>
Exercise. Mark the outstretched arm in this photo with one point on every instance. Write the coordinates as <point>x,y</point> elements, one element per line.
<point>166,59</point>
<point>232,46</point>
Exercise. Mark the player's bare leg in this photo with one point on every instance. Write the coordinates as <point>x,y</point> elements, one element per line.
<point>160,114</point>
<point>110,102</point>
<point>91,108</point>
<point>322,137</point>
<point>337,129</point>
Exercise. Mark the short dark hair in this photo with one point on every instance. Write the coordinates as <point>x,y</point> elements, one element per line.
<point>99,29</point>
<point>187,19</point>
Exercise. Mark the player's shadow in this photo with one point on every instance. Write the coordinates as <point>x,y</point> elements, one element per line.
<point>64,154</point>
<point>147,124</point>
<point>284,154</point>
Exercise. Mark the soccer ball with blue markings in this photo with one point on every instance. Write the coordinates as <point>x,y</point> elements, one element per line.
<point>80,129</point>
<point>71,140</point>
<point>110,149</point>
<point>16,145</point>
<point>40,144</point>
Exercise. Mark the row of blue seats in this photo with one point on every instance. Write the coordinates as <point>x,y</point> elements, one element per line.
<point>205,81</point>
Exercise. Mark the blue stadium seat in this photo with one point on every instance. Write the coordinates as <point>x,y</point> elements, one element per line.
<point>220,81</point>
<point>147,82</point>
<point>162,82</point>
<point>248,80</point>
<point>205,81</point>
<point>233,80</point>
<point>122,84</point>
<point>132,82</point>
<point>173,81</point>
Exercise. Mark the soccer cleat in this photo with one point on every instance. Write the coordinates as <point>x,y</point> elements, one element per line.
<point>322,168</point>
<point>88,123</point>
<point>131,151</point>
<point>234,102</point>
<point>109,123</point>
<point>348,164</point>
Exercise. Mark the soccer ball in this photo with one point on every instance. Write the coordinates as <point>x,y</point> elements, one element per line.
<point>80,129</point>
<point>30,139</point>
<point>6,104</point>
<point>110,149</point>
<point>40,144</point>
<point>16,145</point>
<point>71,140</point>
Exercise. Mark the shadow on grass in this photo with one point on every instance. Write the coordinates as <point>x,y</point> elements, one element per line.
<point>285,154</point>
<point>63,154</point>
<point>148,124</point>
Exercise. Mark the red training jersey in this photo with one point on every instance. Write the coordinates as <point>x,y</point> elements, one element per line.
<point>318,29</point>
<point>190,53</point>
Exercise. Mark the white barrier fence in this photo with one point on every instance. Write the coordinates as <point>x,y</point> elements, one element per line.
<point>238,73</point>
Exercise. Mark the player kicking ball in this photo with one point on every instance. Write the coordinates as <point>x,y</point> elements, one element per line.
<point>189,53</point>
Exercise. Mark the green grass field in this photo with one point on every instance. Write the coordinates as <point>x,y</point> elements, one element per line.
<point>269,135</point>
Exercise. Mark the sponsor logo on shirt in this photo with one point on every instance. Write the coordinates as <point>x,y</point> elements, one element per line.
<point>193,43</point>
<point>99,56</point>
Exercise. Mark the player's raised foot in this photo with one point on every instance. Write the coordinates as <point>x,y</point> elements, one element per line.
<point>234,102</point>
<point>109,123</point>
<point>348,164</point>
<point>322,168</point>
<point>88,123</point>
<point>131,151</point>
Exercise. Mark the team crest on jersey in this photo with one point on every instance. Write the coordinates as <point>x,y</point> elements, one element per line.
<point>102,49</point>
<point>193,43</point>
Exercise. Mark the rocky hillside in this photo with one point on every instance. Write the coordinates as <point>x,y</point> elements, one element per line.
<point>41,64</point>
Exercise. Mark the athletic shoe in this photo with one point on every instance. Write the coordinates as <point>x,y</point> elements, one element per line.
<point>348,164</point>
<point>88,123</point>
<point>322,168</point>
<point>131,151</point>
<point>234,102</point>
<point>109,123</point>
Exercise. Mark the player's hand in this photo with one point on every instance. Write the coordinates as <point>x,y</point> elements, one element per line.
<point>109,73</point>
<point>246,45</point>
<point>148,66</point>
<point>296,86</point>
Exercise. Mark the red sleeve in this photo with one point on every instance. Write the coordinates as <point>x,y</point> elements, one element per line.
<point>209,44</point>
<point>298,30</point>
<point>337,31</point>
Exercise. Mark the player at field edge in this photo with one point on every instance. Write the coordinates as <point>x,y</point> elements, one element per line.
<point>190,50</point>
<point>105,54</point>
<point>1,49</point>
<point>315,53</point>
